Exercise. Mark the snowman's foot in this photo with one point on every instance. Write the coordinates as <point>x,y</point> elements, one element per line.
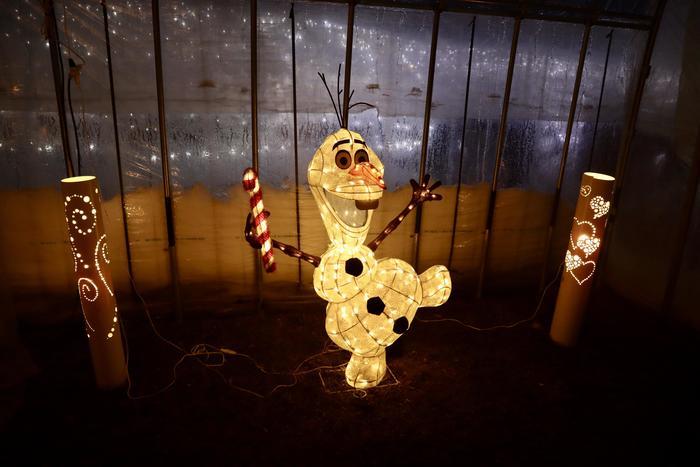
<point>365,372</point>
<point>436,284</point>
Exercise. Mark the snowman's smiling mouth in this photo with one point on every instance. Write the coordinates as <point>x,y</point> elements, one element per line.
<point>352,212</point>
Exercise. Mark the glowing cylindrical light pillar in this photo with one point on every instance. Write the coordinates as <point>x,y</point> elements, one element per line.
<point>83,208</point>
<point>585,242</point>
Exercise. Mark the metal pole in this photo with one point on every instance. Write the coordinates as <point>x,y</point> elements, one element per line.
<point>628,133</point>
<point>426,127</point>
<point>565,152</point>
<point>296,136</point>
<point>683,229</point>
<point>499,154</point>
<point>348,62</point>
<point>523,10</point>
<point>461,150</point>
<point>254,126</point>
<point>116,140</point>
<point>57,67</point>
<point>600,100</point>
<point>165,161</point>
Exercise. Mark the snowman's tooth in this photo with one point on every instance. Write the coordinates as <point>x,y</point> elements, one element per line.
<point>366,205</point>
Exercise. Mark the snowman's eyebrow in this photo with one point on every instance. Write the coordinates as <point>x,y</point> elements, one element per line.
<point>339,142</point>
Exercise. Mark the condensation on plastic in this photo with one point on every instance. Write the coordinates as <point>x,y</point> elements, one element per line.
<point>206,59</point>
<point>206,78</point>
<point>391,53</point>
<point>320,47</point>
<point>131,36</point>
<point>34,248</point>
<point>276,136</point>
<point>543,81</point>
<point>657,172</point>
<point>492,38</point>
<point>626,51</point>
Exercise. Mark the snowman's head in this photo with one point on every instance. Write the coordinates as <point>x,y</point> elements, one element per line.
<point>347,180</point>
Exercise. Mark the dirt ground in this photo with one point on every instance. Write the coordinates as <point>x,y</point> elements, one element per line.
<point>627,395</point>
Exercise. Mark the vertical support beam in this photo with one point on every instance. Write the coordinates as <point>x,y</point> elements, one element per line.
<point>165,160</point>
<point>348,62</point>
<point>500,143</point>
<point>296,137</point>
<point>57,69</point>
<point>105,20</point>
<point>600,100</point>
<point>628,133</point>
<point>683,228</point>
<point>565,152</point>
<point>461,148</point>
<point>426,126</point>
<point>254,127</point>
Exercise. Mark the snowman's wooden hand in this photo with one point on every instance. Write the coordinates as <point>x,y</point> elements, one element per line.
<point>288,250</point>
<point>421,193</point>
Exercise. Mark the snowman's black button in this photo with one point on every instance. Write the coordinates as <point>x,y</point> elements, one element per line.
<point>401,325</point>
<point>375,306</point>
<point>354,267</point>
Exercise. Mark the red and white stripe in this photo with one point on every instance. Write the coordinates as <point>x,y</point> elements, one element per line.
<point>262,230</point>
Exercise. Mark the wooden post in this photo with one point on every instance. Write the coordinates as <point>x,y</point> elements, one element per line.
<point>83,208</point>
<point>585,243</point>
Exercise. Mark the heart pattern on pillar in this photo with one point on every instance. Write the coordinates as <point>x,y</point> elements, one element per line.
<point>600,206</point>
<point>580,270</point>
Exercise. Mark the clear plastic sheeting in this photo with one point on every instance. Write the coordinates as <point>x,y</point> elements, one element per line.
<point>543,82</point>
<point>206,58</point>
<point>320,47</point>
<point>491,48</point>
<point>596,149</point>
<point>34,251</point>
<point>656,179</point>
<point>391,53</point>
<point>276,136</point>
<point>206,78</point>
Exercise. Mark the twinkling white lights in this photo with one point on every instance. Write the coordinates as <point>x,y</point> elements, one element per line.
<point>580,260</point>
<point>371,302</point>
<point>82,205</point>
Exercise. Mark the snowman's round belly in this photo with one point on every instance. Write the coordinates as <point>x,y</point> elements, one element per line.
<point>343,272</point>
<point>379,313</point>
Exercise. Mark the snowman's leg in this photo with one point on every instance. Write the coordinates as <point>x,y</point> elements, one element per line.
<point>436,285</point>
<point>365,372</point>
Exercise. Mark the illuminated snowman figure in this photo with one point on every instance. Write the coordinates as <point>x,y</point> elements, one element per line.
<point>371,302</point>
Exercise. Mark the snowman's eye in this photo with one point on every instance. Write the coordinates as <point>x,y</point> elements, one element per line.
<point>361,156</point>
<point>343,159</point>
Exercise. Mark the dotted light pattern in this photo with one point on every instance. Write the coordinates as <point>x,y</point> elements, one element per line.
<point>81,218</point>
<point>586,241</point>
<point>600,206</point>
<point>371,302</point>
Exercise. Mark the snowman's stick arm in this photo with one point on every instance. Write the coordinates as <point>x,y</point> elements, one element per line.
<point>393,225</point>
<point>421,193</point>
<point>288,250</point>
<point>294,252</point>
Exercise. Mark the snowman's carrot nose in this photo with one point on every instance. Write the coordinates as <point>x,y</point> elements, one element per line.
<point>369,173</point>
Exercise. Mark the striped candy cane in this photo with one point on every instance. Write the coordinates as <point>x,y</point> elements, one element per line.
<point>262,230</point>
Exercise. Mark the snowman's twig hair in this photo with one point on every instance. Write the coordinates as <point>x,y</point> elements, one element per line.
<point>339,92</point>
<point>337,115</point>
